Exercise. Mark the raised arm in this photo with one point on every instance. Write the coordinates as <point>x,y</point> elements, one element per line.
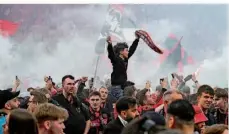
<point>111,54</point>
<point>16,84</point>
<point>197,84</point>
<point>134,45</point>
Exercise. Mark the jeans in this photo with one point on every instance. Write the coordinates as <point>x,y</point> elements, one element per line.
<point>115,92</point>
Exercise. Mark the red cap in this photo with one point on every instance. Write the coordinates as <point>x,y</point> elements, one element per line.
<point>199,115</point>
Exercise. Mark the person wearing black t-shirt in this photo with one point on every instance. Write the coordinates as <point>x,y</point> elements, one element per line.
<point>78,121</point>
<point>119,56</point>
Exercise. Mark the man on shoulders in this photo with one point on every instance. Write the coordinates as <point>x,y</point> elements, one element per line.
<point>119,56</point>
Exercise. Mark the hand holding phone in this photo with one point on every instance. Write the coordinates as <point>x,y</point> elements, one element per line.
<point>161,80</point>
<point>109,40</point>
<point>17,81</point>
<point>84,79</point>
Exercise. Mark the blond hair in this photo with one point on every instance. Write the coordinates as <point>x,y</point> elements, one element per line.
<point>48,111</point>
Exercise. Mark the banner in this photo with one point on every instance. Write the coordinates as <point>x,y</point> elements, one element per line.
<point>112,27</point>
<point>8,28</point>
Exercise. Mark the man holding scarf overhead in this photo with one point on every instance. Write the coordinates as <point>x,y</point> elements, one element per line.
<point>119,56</point>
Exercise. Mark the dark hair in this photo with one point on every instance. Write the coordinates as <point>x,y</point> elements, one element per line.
<point>129,91</point>
<point>53,83</point>
<point>120,46</point>
<point>161,91</point>
<point>158,118</point>
<point>22,122</point>
<point>141,96</point>
<point>145,124</point>
<point>24,102</point>
<point>129,83</point>
<point>219,92</point>
<point>205,89</point>
<point>137,126</point>
<point>94,93</point>
<point>183,112</point>
<point>125,103</point>
<point>68,76</point>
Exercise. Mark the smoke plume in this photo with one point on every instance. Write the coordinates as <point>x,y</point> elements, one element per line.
<point>65,45</point>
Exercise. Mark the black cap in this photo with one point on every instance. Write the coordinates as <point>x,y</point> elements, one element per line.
<point>6,95</point>
<point>156,117</point>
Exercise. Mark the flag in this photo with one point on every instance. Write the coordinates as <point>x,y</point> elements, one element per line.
<point>174,56</point>
<point>111,27</point>
<point>8,28</point>
<point>147,39</point>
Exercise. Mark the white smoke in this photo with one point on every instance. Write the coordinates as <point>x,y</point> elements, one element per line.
<point>69,49</point>
<point>213,69</point>
<point>62,51</point>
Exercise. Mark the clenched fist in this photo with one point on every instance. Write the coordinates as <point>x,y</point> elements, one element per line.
<point>109,40</point>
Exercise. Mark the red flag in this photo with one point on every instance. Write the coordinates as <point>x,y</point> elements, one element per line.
<point>147,39</point>
<point>7,28</point>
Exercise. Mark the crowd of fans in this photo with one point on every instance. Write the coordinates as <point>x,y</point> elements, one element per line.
<point>116,108</point>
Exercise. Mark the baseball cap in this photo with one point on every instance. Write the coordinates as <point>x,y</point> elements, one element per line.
<point>199,115</point>
<point>6,95</point>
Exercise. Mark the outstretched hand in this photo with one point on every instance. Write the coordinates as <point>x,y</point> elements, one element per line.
<point>17,82</point>
<point>137,35</point>
<point>148,85</point>
<point>84,79</point>
<point>164,84</point>
<point>46,78</point>
<point>193,77</point>
<point>109,40</point>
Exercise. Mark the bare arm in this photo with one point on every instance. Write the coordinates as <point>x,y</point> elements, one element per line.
<point>87,128</point>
